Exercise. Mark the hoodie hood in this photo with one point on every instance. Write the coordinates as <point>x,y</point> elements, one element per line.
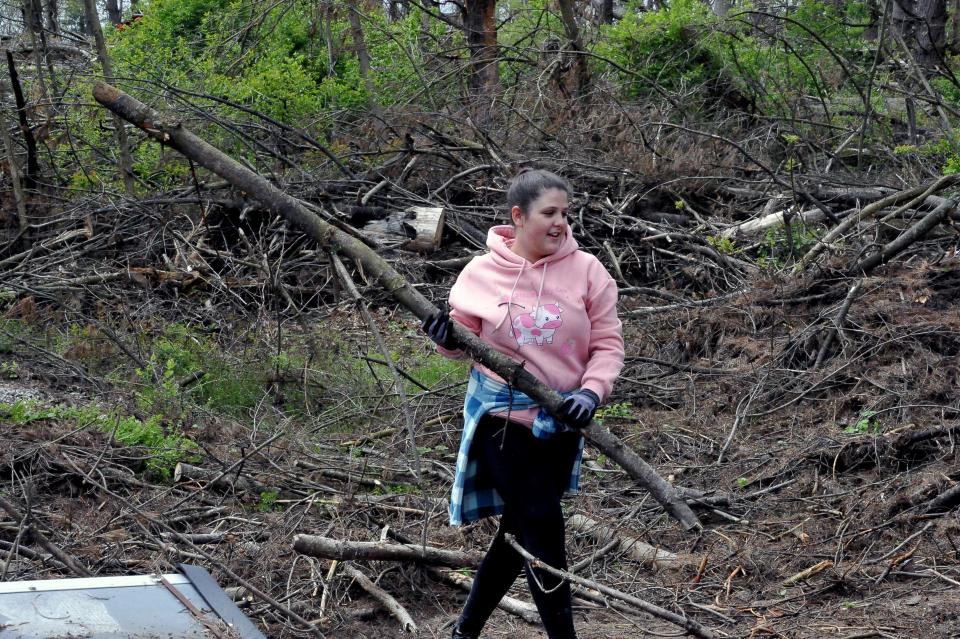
<point>500,239</point>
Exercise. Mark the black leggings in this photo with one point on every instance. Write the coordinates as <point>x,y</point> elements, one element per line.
<point>531,476</point>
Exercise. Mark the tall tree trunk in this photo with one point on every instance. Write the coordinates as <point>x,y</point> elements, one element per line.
<point>33,20</point>
<point>480,28</point>
<point>123,145</point>
<point>363,57</point>
<point>33,165</point>
<point>19,197</point>
<point>113,13</point>
<point>922,25</point>
<point>931,32</point>
<point>580,71</point>
<point>53,16</point>
<point>605,13</point>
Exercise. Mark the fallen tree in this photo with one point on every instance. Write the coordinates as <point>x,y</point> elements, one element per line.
<point>172,133</point>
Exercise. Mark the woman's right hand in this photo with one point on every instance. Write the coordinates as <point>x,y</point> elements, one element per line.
<point>438,327</point>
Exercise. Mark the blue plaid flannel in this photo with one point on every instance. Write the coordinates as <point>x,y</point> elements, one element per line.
<point>471,498</point>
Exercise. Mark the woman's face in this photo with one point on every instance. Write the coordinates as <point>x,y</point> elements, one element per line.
<point>541,231</point>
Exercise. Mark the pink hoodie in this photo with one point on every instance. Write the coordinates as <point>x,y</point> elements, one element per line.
<point>557,316</point>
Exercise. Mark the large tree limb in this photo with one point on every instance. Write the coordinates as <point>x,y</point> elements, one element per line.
<point>913,196</point>
<point>339,549</point>
<point>173,133</point>
<point>905,239</point>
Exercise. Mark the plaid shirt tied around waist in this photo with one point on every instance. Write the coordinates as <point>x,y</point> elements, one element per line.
<point>473,498</point>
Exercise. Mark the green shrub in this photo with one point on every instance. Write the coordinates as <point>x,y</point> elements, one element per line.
<point>666,48</point>
<point>164,449</point>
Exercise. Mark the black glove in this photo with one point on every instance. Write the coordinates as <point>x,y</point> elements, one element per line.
<point>577,410</point>
<point>438,327</point>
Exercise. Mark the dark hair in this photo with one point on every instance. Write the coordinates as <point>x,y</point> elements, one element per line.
<point>529,184</point>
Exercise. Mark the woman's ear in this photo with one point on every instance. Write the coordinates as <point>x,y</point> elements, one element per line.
<point>517,216</point>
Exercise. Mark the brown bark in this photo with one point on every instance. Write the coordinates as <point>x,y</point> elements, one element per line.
<point>172,133</point>
<point>580,71</point>
<point>329,548</point>
<point>113,13</point>
<point>125,163</point>
<point>480,28</point>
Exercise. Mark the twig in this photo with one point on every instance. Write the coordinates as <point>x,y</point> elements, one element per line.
<point>385,598</point>
<point>397,382</point>
<point>837,323</point>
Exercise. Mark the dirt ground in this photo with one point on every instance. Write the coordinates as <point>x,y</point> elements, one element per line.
<point>833,469</point>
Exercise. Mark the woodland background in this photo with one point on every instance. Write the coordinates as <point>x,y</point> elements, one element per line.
<point>187,376</point>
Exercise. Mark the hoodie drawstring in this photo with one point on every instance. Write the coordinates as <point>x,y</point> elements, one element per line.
<point>543,278</point>
<point>510,299</point>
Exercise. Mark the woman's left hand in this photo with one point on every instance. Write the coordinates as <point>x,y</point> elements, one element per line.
<point>577,410</point>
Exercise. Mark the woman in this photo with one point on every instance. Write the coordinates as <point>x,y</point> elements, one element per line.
<point>537,299</point>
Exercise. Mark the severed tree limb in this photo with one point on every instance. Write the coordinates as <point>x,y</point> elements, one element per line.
<point>913,197</point>
<point>945,500</point>
<point>172,133</point>
<point>525,610</point>
<point>692,627</point>
<point>905,239</point>
<point>384,597</point>
<point>328,548</point>
<point>632,547</point>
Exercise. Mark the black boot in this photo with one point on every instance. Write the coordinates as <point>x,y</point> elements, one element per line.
<point>459,634</point>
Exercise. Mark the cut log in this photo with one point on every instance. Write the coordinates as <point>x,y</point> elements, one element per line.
<point>427,221</point>
<point>171,132</point>
<point>419,229</point>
